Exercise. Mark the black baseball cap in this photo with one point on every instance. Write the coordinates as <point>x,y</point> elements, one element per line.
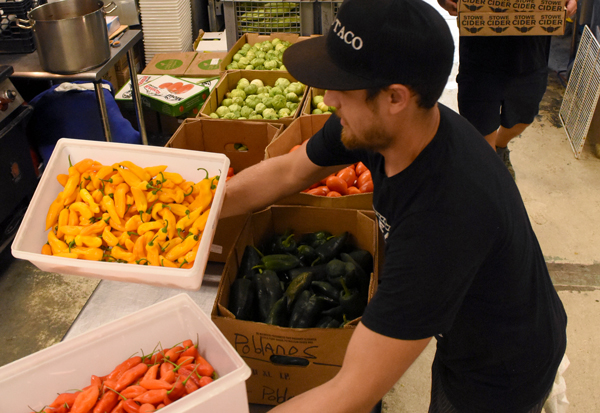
<point>375,43</point>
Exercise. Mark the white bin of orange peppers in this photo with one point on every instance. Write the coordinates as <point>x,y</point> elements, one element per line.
<point>169,356</point>
<point>124,212</point>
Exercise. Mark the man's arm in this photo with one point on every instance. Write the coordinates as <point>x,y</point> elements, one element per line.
<point>571,7</point>
<point>451,6</point>
<point>262,184</point>
<point>372,365</point>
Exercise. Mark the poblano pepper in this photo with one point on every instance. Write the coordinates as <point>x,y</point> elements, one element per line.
<point>364,259</point>
<point>351,302</point>
<point>319,272</point>
<point>250,259</point>
<point>268,290</point>
<point>306,254</point>
<point>278,315</point>
<point>297,286</point>
<point>327,322</point>
<point>331,248</point>
<point>325,289</point>
<point>241,299</point>
<point>315,239</point>
<point>306,310</point>
<point>283,244</point>
<point>279,262</point>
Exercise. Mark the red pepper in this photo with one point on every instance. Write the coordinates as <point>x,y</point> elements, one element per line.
<point>86,400</point>
<point>166,372</point>
<point>132,392</point>
<point>174,353</point>
<point>147,408</point>
<point>118,408</point>
<point>155,384</point>
<point>205,380</point>
<point>190,352</point>
<point>106,402</point>
<point>68,398</point>
<point>152,396</point>
<point>176,392</point>
<point>130,376</point>
<point>191,386</point>
<point>204,367</point>
<point>130,406</point>
<point>123,367</point>
<point>151,373</point>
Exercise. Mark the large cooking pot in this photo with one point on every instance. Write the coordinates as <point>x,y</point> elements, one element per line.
<point>71,35</point>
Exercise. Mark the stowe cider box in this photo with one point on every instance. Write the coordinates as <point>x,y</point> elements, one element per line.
<point>502,6</point>
<point>511,24</point>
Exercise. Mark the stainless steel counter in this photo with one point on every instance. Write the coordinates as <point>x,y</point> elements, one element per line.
<point>28,66</point>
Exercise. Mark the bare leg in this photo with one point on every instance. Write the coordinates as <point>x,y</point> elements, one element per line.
<point>502,136</point>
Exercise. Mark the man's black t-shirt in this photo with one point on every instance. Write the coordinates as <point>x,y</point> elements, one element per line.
<point>462,263</point>
<point>508,55</point>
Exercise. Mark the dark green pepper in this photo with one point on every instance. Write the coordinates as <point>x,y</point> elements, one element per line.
<point>283,244</point>
<point>335,312</point>
<point>297,286</point>
<point>250,259</point>
<point>268,290</point>
<point>306,310</point>
<point>325,289</point>
<point>351,302</point>
<point>278,315</point>
<point>280,262</point>
<point>356,276</point>
<point>363,259</point>
<point>241,299</point>
<point>319,272</point>
<point>315,239</point>
<point>327,322</point>
<point>331,248</point>
<point>307,254</point>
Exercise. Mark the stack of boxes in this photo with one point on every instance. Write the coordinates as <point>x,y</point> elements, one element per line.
<point>511,18</point>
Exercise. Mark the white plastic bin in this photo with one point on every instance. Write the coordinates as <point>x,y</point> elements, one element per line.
<point>31,235</point>
<point>34,381</point>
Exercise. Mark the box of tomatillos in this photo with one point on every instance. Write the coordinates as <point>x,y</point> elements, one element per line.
<point>288,361</point>
<point>33,382</point>
<point>501,6</point>
<point>511,24</point>
<point>243,143</point>
<point>191,166</point>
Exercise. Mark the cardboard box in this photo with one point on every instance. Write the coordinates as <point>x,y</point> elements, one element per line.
<point>307,106</point>
<point>34,381</point>
<point>501,6</point>
<point>229,81</point>
<point>173,64</point>
<point>211,42</point>
<point>111,76</point>
<point>206,64</point>
<point>322,349</point>
<point>511,24</point>
<point>252,38</point>
<point>299,131</point>
<point>161,95</point>
<point>210,83</point>
<point>220,136</point>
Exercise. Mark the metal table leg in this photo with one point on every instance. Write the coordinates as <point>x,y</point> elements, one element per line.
<point>137,101</point>
<point>103,112</point>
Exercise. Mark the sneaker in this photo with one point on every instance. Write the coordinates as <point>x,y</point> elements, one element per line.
<point>504,154</point>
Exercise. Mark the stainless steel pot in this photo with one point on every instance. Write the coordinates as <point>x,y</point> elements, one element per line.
<point>71,35</point>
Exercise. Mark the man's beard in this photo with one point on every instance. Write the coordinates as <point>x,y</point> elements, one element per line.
<point>374,139</point>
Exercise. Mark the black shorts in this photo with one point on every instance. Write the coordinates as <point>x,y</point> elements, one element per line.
<point>489,101</point>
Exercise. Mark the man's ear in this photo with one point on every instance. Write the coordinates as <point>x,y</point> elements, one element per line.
<point>399,97</point>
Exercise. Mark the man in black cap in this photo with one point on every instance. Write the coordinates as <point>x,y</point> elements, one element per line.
<point>462,263</point>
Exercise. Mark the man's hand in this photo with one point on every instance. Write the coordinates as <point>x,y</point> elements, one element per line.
<point>571,7</point>
<point>451,6</point>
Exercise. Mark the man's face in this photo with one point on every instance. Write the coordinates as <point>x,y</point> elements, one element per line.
<point>363,126</point>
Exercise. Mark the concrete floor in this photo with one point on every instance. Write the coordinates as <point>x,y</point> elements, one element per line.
<point>563,200</point>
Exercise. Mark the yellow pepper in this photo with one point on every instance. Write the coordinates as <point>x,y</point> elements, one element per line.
<point>200,223</point>
<point>178,209</point>
<point>57,245</point>
<point>120,254</point>
<point>204,197</point>
<point>54,210</point>
<point>168,245</point>
<point>190,257</point>
<point>164,262</point>
<point>97,195</point>
<point>89,200</point>
<point>129,244</point>
<point>141,203</point>
<point>151,197</point>
<point>139,247</point>
<point>139,172</point>
<point>188,220</point>
<point>72,183</point>
<point>156,208</point>
<point>46,249</point>
<point>96,228</point>
<point>129,177</point>
<point>155,170</point>
<point>182,248</point>
<point>174,177</point>
<point>83,165</point>
<point>63,219</point>
<point>91,254</point>
<point>121,198</point>
<point>152,251</point>
<point>109,238</point>
<point>133,223</point>
<point>170,222</point>
<point>62,179</point>
<point>88,241</point>
<point>72,230</point>
<point>67,255</point>
<point>82,209</point>
<point>74,218</point>
<point>101,174</point>
<point>149,226</point>
<point>109,205</point>
<point>116,180</point>
<point>119,226</point>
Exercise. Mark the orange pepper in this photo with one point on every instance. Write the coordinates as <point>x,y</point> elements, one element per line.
<point>55,208</point>
<point>88,241</point>
<point>109,205</point>
<point>62,179</point>
<point>121,198</point>
<point>92,254</point>
<point>133,223</point>
<point>83,165</point>
<point>72,183</point>
<point>109,238</point>
<point>57,245</point>
<point>46,249</point>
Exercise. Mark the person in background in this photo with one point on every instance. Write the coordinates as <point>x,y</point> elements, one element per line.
<point>501,82</point>
<point>462,262</point>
